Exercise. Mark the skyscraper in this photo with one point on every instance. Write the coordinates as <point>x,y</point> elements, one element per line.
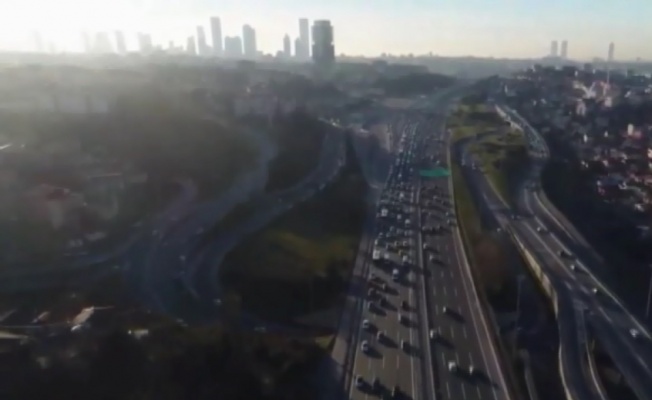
<point>202,48</point>
<point>86,42</point>
<point>298,46</point>
<point>323,50</point>
<point>554,51</point>
<point>145,43</point>
<point>564,49</point>
<point>612,49</point>
<point>120,44</point>
<point>191,48</point>
<point>249,41</point>
<point>287,46</point>
<point>216,34</point>
<point>233,47</point>
<point>102,43</point>
<point>304,36</point>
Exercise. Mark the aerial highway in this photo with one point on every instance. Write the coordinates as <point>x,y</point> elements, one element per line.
<point>181,279</point>
<point>570,318</point>
<point>420,333</point>
<point>625,338</point>
<point>591,303</point>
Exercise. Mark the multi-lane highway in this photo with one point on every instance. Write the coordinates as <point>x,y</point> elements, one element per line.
<point>421,334</point>
<point>588,300</point>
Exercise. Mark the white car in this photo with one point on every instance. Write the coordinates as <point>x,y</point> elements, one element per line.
<point>472,370</point>
<point>364,346</point>
<point>433,334</point>
<point>365,324</point>
<point>452,366</point>
<point>634,333</point>
<point>573,267</point>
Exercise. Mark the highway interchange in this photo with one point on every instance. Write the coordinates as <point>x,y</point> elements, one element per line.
<point>425,351</point>
<point>584,301</point>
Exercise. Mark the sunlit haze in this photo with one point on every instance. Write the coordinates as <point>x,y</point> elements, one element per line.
<point>500,28</point>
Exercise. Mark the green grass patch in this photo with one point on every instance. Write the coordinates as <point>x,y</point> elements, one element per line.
<point>301,262</point>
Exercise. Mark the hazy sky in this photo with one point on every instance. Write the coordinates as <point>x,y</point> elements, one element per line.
<point>513,28</point>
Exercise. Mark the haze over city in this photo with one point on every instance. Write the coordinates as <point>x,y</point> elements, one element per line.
<point>501,28</point>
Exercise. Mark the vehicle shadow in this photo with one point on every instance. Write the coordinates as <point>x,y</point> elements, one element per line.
<point>388,342</point>
<point>444,342</point>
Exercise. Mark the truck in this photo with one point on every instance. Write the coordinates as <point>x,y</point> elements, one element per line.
<point>375,256</point>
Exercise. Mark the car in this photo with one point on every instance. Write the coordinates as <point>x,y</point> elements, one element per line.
<point>364,346</point>
<point>433,334</point>
<point>404,345</point>
<point>400,317</point>
<point>634,333</point>
<point>573,267</point>
<point>370,306</point>
<point>431,258</point>
<point>425,246</point>
<point>375,383</point>
<point>380,335</point>
<point>595,291</point>
<point>366,324</point>
<point>452,366</point>
<point>404,305</point>
<point>396,391</point>
<point>359,381</point>
<point>472,370</point>
<point>445,310</point>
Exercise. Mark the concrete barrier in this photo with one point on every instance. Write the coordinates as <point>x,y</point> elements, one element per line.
<point>593,373</point>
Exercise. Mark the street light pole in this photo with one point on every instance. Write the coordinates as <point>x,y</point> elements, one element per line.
<point>649,298</point>
<point>519,279</point>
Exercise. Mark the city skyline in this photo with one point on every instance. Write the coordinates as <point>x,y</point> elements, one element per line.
<point>506,29</point>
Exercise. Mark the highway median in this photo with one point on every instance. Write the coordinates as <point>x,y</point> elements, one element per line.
<point>493,259</point>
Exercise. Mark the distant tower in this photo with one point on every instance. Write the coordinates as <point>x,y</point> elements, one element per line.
<point>120,44</point>
<point>304,37</point>
<point>249,42</point>
<point>216,34</point>
<point>610,54</point>
<point>201,41</point>
<point>287,46</point>
<point>323,49</point>
<point>564,49</point>
<point>554,49</point>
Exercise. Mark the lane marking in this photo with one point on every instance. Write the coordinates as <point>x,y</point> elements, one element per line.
<point>448,390</point>
<point>444,290</point>
<point>464,331</point>
<point>455,290</point>
<point>452,333</point>
<point>479,393</point>
<point>463,391</point>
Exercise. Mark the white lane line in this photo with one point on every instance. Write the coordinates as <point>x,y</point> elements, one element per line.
<point>444,290</point>
<point>448,390</point>
<point>479,393</point>
<point>398,358</point>
<point>452,333</point>
<point>455,290</point>
<point>464,331</point>
<point>463,391</point>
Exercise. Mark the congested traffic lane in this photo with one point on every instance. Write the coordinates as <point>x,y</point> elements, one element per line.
<point>394,358</point>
